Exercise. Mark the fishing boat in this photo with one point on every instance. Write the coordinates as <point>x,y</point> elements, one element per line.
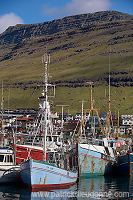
<point>48,173</point>
<point>95,156</point>
<point>9,171</point>
<point>125,164</point>
<point>42,175</point>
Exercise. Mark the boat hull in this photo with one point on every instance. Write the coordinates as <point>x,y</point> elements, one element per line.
<point>125,164</point>
<point>41,175</point>
<point>92,162</point>
<point>9,174</point>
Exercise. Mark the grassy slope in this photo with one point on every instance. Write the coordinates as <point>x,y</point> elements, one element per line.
<point>86,56</point>
<point>121,98</point>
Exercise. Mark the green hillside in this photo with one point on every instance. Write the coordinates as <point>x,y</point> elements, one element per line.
<point>78,55</point>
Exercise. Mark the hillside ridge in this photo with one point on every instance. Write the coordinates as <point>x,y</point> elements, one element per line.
<point>15,34</point>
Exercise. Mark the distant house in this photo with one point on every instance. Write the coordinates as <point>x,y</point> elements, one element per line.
<point>78,116</point>
<point>127,120</point>
<point>121,130</point>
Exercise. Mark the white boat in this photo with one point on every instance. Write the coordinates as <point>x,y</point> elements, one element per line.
<point>9,172</point>
<point>42,174</point>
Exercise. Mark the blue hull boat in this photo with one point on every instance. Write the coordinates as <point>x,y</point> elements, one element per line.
<point>94,160</point>
<point>125,164</point>
<point>41,175</point>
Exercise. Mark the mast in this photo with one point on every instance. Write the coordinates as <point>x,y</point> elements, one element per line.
<point>109,108</point>
<point>14,144</point>
<point>109,115</point>
<point>44,104</point>
<point>2,111</point>
<point>92,100</point>
<point>45,125</point>
<point>91,110</point>
<point>2,116</point>
<point>82,117</point>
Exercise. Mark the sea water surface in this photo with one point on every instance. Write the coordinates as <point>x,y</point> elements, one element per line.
<point>87,188</point>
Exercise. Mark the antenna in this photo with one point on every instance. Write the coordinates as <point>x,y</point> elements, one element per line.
<point>46,58</point>
<point>46,62</point>
<point>62,113</point>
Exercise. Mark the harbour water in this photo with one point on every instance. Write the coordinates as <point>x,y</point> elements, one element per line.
<point>87,188</point>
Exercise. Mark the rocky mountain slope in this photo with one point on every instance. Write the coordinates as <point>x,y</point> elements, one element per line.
<point>82,49</point>
<point>19,32</point>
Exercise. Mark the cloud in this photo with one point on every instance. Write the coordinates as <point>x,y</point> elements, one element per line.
<point>77,7</point>
<point>9,20</point>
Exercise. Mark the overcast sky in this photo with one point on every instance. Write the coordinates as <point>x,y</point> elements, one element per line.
<point>14,12</point>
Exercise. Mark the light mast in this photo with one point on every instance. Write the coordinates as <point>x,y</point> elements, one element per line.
<point>44,104</point>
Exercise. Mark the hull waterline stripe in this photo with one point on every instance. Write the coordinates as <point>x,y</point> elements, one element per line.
<point>48,187</point>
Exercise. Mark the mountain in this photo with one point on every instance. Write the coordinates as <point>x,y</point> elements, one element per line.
<point>82,47</point>
<point>15,34</point>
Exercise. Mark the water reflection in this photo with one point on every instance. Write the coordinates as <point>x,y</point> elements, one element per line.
<point>106,188</point>
<point>87,188</point>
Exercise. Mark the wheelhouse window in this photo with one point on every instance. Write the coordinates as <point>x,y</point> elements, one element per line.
<point>9,158</point>
<point>55,139</point>
<point>49,138</point>
<point>1,158</point>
